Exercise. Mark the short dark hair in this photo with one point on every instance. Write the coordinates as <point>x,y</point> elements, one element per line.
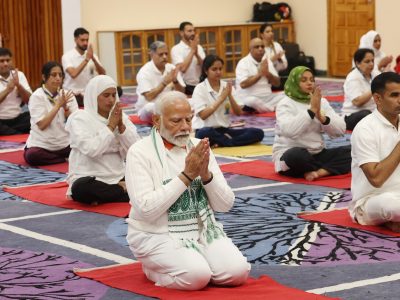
<point>183,24</point>
<point>46,69</point>
<point>5,52</point>
<point>378,84</point>
<point>360,54</point>
<point>79,31</point>
<point>265,25</point>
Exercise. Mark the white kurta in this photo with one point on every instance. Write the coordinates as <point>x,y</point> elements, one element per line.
<point>54,137</point>
<point>281,64</point>
<point>295,128</point>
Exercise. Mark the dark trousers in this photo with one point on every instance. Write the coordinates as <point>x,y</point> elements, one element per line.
<point>36,156</point>
<point>336,161</point>
<point>228,137</point>
<point>189,90</point>
<point>18,125</point>
<point>354,118</point>
<point>88,190</point>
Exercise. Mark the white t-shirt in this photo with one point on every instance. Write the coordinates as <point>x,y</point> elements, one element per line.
<point>203,96</point>
<point>295,128</point>
<point>372,140</point>
<point>73,58</point>
<point>54,137</point>
<point>248,67</point>
<point>269,52</point>
<point>354,86</point>
<point>10,107</point>
<point>178,54</point>
<point>149,77</point>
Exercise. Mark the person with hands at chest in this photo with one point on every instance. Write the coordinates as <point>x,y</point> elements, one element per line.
<point>154,79</point>
<point>49,106</point>
<point>14,91</point>
<point>301,117</point>
<point>273,49</point>
<point>213,101</point>
<point>175,185</point>
<point>101,135</point>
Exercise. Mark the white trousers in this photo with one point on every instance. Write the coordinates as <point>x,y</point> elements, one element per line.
<point>379,209</point>
<point>266,104</point>
<point>178,267</point>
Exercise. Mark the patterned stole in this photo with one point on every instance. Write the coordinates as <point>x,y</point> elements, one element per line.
<point>49,95</point>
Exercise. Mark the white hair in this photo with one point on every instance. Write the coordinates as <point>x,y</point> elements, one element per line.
<point>166,98</point>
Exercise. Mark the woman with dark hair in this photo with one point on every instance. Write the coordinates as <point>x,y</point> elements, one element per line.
<point>301,118</point>
<point>358,101</point>
<point>49,107</point>
<point>212,101</point>
<point>273,50</point>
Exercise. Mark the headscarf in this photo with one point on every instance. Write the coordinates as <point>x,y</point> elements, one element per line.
<point>95,87</point>
<point>292,85</point>
<point>367,41</point>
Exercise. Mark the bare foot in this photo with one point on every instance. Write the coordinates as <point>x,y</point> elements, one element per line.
<point>311,176</point>
<point>123,185</point>
<point>393,226</point>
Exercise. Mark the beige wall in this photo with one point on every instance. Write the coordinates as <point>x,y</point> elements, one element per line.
<point>310,16</point>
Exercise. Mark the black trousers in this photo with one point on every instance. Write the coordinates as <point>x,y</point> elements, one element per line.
<point>336,161</point>
<point>88,190</point>
<point>18,125</point>
<point>354,118</point>
<point>238,137</point>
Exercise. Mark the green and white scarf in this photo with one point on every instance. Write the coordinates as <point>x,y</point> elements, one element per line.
<point>292,85</point>
<point>190,218</point>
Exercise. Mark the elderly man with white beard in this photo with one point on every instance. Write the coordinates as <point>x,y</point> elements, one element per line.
<point>175,185</point>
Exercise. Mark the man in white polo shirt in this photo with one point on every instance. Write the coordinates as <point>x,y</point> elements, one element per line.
<point>154,79</point>
<point>254,78</point>
<point>80,65</point>
<point>375,154</point>
<point>188,55</point>
<point>14,90</point>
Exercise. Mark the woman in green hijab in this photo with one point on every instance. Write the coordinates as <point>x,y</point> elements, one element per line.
<point>301,119</point>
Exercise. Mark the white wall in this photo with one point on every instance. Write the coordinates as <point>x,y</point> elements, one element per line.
<point>71,19</point>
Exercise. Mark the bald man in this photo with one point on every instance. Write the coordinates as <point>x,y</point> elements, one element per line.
<point>175,185</point>
<point>254,78</point>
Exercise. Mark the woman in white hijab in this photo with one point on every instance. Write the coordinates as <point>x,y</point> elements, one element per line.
<point>101,135</point>
<point>372,40</point>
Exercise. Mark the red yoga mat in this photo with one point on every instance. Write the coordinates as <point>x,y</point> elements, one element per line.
<point>17,157</point>
<point>17,138</point>
<point>265,169</point>
<point>342,217</point>
<point>270,114</point>
<point>136,120</point>
<point>336,98</point>
<point>130,277</point>
<point>53,194</point>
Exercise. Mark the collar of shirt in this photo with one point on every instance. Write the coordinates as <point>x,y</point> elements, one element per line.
<point>382,119</point>
<point>169,146</point>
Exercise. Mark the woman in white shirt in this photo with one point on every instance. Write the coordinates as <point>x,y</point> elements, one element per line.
<point>101,135</point>
<point>301,118</point>
<point>49,108</point>
<point>358,101</point>
<point>212,101</point>
<point>273,49</point>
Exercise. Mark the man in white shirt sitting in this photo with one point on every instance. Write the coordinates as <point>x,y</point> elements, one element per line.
<point>14,90</point>
<point>80,65</point>
<point>154,79</point>
<point>175,185</point>
<point>254,78</point>
<point>376,157</point>
<point>188,55</point>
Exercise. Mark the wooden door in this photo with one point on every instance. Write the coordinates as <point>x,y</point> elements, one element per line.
<point>234,47</point>
<point>209,39</point>
<point>31,29</point>
<point>348,20</point>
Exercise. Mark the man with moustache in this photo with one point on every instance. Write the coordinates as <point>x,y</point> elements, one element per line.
<point>154,79</point>
<point>175,185</point>
<point>254,78</point>
<point>375,152</point>
<point>80,65</point>
<point>14,91</point>
<point>188,55</point>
